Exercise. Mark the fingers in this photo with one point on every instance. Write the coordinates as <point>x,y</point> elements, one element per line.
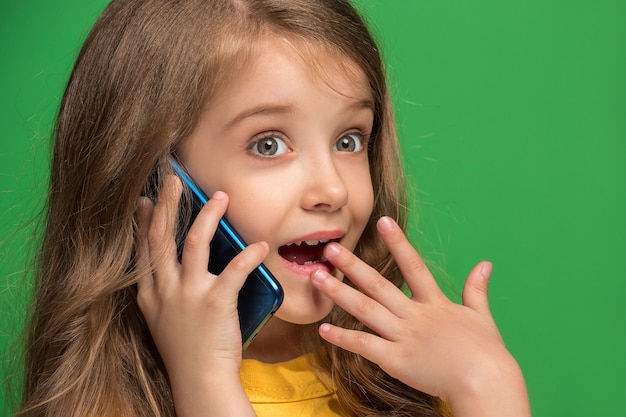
<point>158,223</point>
<point>366,278</point>
<point>369,311</point>
<point>196,250</point>
<point>145,282</point>
<point>162,231</point>
<point>234,275</point>
<point>198,240</point>
<point>370,346</point>
<point>416,274</point>
<point>475,290</point>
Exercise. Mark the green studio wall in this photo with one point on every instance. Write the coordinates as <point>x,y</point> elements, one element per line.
<point>512,116</point>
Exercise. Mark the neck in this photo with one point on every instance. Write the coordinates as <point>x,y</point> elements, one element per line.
<point>278,341</point>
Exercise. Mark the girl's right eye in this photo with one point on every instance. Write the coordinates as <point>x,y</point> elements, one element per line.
<point>269,146</point>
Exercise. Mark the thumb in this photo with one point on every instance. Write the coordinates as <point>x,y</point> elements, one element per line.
<point>475,290</point>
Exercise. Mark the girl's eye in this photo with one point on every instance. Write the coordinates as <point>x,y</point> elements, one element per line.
<point>352,142</point>
<point>269,146</point>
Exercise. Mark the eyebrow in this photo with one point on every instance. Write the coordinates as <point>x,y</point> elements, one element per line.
<point>261,109</point>
<point>362,104</point>
<point>271,109</point>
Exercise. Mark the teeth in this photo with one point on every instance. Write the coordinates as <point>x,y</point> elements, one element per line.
<point>313,242</point>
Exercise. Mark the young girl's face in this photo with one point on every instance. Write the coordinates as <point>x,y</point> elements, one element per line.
<point>288,144</point>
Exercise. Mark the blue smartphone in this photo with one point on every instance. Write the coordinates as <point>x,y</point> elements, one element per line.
<point>261,294</point>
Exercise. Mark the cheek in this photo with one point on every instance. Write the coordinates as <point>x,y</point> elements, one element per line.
<point>362,200</point>
<point>361,206</point>
<point>253,213</point>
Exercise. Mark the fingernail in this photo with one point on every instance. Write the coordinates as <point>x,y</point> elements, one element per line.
<point>218,195</point>
<point>325,328</point>
<point>385,223</point>
<point>318,275</point>
<point>486,269</point>
<point>331,250</point>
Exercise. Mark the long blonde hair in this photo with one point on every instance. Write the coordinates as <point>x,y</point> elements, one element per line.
<point>144,74</point>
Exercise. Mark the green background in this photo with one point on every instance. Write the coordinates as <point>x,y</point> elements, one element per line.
<point>512,116</point>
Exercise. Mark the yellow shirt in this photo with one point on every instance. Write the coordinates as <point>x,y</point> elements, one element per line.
<point>287,389</point>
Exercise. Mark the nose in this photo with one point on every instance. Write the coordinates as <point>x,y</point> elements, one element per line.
<point>325,189</point>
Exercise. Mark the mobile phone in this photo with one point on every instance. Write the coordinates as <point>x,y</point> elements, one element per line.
<point>261,294</point>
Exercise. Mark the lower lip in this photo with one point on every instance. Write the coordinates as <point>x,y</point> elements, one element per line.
<point>306,269</point>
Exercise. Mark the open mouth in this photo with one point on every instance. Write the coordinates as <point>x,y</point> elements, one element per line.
<point>307,252</point>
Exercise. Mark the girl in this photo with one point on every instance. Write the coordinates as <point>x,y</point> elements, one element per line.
<point>280,110</point>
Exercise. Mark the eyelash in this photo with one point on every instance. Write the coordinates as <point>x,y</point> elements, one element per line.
<point>364,139</point>
<point>257,140</point>
<point>363,143</point>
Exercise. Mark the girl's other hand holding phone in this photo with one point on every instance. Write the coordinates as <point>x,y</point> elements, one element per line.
<point>191,313</point>
<point>428,342</point>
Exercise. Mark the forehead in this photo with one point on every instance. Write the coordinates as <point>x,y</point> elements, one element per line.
<point>273,55</point>
<point>329,66</point>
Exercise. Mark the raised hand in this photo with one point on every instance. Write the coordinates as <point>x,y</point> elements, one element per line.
<point>191,313</point>
<point>428,342</point>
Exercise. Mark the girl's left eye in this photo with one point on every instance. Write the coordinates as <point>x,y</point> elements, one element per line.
<point>269,146</point>
<point>352,142</point>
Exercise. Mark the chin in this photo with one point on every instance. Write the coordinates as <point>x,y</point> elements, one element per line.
<point>304,312</point>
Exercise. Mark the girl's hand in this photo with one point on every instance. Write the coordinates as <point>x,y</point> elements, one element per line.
<point>428,342</point>
<point>191,313</point>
